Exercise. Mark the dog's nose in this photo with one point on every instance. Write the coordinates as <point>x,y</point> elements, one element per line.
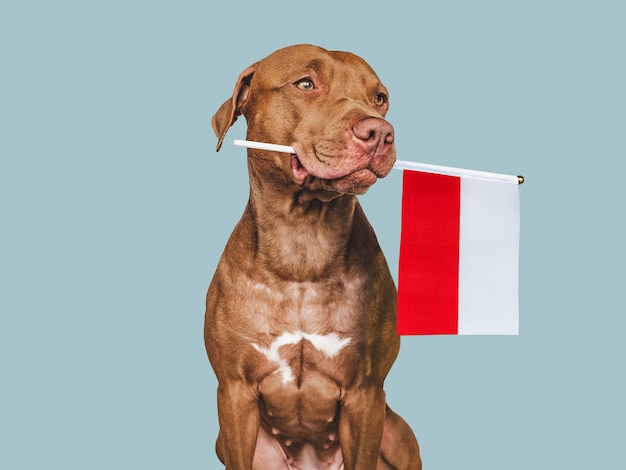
<point>375,133</point>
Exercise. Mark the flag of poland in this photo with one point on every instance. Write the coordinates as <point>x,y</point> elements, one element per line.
<point>459,251</point>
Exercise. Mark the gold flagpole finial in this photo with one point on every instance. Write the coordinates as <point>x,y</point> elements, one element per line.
<point>520,179</point>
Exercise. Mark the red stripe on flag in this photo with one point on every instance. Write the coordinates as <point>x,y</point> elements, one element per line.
<point>428,278</point>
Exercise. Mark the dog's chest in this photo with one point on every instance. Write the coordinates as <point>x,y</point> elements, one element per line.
<point>294,353</point>
<point>304,329</point>
<point>313,308</point>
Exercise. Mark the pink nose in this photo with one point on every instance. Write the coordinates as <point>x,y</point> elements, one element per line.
<point>375,134</point>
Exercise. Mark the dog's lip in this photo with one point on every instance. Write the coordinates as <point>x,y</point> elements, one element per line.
<point>300,173</point>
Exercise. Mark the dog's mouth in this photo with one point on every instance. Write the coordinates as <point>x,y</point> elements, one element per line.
<point>354,181</point>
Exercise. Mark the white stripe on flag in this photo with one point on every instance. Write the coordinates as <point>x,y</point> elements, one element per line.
<point>488,258</point>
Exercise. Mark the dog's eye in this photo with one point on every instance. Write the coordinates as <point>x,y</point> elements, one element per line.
<point>305,84</point>
<point>380,99</point>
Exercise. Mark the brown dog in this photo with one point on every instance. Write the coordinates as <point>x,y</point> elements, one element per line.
<point>300,318</point>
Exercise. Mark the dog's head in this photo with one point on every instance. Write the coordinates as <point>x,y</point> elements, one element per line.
<point>328,105</point>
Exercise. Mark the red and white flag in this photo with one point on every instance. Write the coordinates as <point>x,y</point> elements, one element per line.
<point>459,251</point>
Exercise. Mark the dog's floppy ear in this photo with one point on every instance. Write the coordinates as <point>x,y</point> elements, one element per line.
<point>231,109</point>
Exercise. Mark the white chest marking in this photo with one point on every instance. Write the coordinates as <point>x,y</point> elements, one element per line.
<point>329,344</point>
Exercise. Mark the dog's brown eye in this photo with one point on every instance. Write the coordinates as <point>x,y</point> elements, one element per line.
<point>380,99</point>
<point>305,84</point>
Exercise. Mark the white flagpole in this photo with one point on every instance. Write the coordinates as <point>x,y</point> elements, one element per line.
<point>447,170</point>
<point>404,165</point>
<point>264,146</point>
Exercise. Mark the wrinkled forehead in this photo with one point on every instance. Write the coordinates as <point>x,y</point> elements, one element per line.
<point>294,63</point>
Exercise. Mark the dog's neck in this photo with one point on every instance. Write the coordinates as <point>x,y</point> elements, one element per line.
<point>302,235</point>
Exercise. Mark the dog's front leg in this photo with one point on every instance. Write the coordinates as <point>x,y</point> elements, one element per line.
<point>361,422</point>
<point>238,412</point>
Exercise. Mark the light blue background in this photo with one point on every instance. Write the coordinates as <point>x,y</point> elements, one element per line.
<point>114,209</point>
